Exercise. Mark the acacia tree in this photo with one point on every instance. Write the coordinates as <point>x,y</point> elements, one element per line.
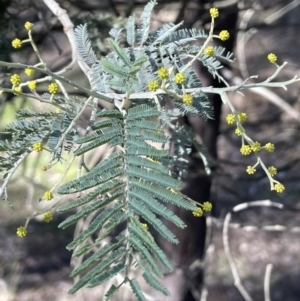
<point>153,86</point>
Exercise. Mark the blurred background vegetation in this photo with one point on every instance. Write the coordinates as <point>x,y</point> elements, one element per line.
<point>37,267</point>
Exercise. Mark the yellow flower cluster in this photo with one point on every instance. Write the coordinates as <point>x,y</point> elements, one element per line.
<point>278,187</point>
<point>198,212</point>
<point>250,170</point>
<point>145,226</point>
<point>57,110</point>
<point>32,85</point>
<point>187,99</point>
<point>214,13</point>
<point>163,73</point>
<point>256,146</point>
<point>179,78</point>
<point>230,118</point>
<point>272,58</point>
<point>245,150</point>
<point>16,43</point>
<point>272,170</point>
<point>21,231</point>
<point>29,71</point>
<point>47,217</point>
<point>242,117</point>
<point>153,85</point>
<point>207,206</point>
<point>28,25</point>
<point>238,132</point>
<point>48,195</point>
<point>269,147</point>
<point>15,79</point>
<point>53,88</point>
<point>17,90</point>
<point>38,146</point>
<point>224,35</point>
<point>210,51</point>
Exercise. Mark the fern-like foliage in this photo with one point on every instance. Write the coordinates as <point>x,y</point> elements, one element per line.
<point>129,185</point>
<point>128,193</point>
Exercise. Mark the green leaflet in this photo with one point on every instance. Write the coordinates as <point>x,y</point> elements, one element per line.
<point>120,52</point>
<point>137,290</point>
<point>98,269</point>
<point>142,111</point>
<point>152,281</point>
<point>140,209</point>
<point>104,138</point>
<point>109,113</point>
<point>151,176</point>
<point>112,290</point>
<point>87,210</point>
<point>143,251</point>
<point>164,194</point>
<point>114,270</point>
<point>97,257</point>
<point>105,123</point>
<point>83,45</point>
<point>95,225</point>
<point>130,30</point>
<point>156,206</point>
<point>149,242</point>
<point>101,190</point>
<point>147,163</point>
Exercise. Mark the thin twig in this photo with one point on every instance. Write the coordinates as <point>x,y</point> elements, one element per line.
<point>233,267</point>
<point>12,171</point>
<point>267,281</point>
<point>69,31</point>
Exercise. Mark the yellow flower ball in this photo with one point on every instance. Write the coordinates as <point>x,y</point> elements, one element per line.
<point>242,117</point>
<point>230,118</point>
<point>250,170</point>
<point>153,85</point>
<point>278,187</point>
<point>15,79</point>
<point>17,90</point>
<point>198,212</point>
<point>269,147</point>
<point>272,58</point>
<point>238,132</point>
<point>179,78</point>
<point>38,146</point>
<point>16,43</point>
<point>207,206</point>
<point>29,71</point>
<point>272,170</point>
<point>21,231</point>
<point>32,85</point>
<point>256,146</point>
<point>224,35</point>
<point>214,13</point>
<point>163,73</point>
<point>28,25</point>
<point>48,195</point>
<point>53,88</point>
<point>145,226</point>
<point>47,217</point>
<point>187,99</point>
<point>210,51</point>
<point>245,150</point>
